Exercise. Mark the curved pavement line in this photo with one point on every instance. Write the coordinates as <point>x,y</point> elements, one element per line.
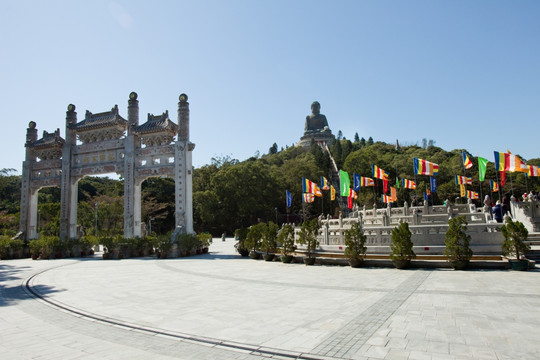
<point>226,345</point>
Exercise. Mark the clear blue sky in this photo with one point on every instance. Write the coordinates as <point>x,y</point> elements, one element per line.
<point>463,73</point>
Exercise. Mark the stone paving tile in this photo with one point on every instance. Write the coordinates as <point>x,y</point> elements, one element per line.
<point>320,312</point>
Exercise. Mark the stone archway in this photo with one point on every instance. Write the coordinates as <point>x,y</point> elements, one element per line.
<point>104,143</point>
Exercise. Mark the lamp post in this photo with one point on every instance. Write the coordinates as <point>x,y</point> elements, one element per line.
<point>38,221</point>
<point>96,219</point>
<point>150,225</point>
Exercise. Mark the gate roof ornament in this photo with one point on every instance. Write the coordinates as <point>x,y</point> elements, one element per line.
<point>49,146</point>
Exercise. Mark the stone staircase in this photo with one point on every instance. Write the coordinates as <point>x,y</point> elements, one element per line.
<point>534,241</point>
<point>334,174</point>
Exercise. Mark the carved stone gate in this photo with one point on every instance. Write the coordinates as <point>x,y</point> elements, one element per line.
<point>103,143</point>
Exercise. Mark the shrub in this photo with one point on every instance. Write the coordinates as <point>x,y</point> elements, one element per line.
<point>9,247</point>
<point>204,239</point>
<point>162,244</point>
<point>355,240</point>
<point>269,237</point>
<point>286,239</point>
<point>402,245</point>
<point>457,240</point>
<point>241,235</point>
<point>515,234</point>
<point>254,236</point>
<point>188,243</point>
<point>308,236</point>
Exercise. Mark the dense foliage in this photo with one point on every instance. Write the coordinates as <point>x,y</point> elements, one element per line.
<point>229,194</point>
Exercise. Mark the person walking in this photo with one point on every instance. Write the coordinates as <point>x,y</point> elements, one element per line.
<point>498,211</point>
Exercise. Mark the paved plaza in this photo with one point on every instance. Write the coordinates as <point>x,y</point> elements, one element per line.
<point>222,306</point>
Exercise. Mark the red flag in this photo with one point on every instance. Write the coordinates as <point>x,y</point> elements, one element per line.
<point>503,178</point>
<point>385,186</point>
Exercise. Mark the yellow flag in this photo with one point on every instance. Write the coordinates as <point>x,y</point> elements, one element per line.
<point>463,192</point>
<point>332,193</point>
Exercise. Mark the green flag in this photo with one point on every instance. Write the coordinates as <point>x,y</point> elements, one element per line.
<point>397,183</point>
<point>482,163</point>
<point>344,183</point>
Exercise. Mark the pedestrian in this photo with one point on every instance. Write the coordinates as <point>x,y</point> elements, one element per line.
<point>506,204</point>
<point>498,211</point>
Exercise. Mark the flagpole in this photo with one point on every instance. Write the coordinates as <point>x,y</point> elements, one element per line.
<point>500,186</point>
<point>322,202</point>
<point>511,183</point>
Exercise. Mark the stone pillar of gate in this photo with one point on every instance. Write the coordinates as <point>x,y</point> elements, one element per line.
<point>132,193</point>
<point>28,207</point>
<point>183,169</point>
<point>68,187</point>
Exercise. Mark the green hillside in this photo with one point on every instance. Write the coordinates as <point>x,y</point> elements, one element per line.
<point>229,194</point>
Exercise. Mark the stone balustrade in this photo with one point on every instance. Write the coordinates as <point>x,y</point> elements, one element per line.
<point>428,226</point>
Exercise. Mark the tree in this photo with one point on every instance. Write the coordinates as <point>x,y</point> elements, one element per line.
<point>356,138</point>
<point>273,149</point>
<point>308,236</point>
<point>457,242</point>
<point>515,234</point>
<point>339,135</point>
<point>362,142</point>
<point>370,141</point>
<point>355,240</point>
<point>286,239</point>
<point>245,193</point>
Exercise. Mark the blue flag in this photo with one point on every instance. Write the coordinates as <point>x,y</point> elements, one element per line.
<point>433,182</point>
<point>357,181</point>
<point>289,198</point>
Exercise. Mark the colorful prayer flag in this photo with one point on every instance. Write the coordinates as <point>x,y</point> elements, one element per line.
<point>379,173</point>
<point>324,183</point>
<point>288,195</point>
<point>408,184</point>
<point>309,186</point>
<point>467,163</point>
<point>509,162</point>
<point>463,180</point>
<point>424,167</point>
<point>494,186</point>
<point>362,181</point>
<point>471,195</point>
<point>344,183</point>
<point>316,190</point>
<point>482,165</point>
<point>386,198</point>
<point>308,198</point>
<point>533,170</point>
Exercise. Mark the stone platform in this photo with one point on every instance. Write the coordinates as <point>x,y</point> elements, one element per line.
<point>221,306</point>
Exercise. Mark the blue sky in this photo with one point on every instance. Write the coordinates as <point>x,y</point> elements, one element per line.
<point>463,73</point>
